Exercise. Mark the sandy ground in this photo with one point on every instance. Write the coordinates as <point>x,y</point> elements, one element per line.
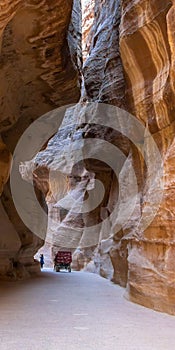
<point>78,311</point>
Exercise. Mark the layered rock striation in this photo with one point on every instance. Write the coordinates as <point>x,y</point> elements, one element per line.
<point>103,73</point>
<point>117,208</point>
<point>107,73</point>
<point>40,64</point>
<point>146,47</point>
<point>88,14</point>
<point>130,64</point>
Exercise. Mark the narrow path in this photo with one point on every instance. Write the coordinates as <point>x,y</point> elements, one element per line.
<point>78,311</point>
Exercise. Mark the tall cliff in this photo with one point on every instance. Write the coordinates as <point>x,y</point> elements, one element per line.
<point>40,63</point>
<point>147,51</point>
<point>141,254</point>
<point>129,64</point>
<point>117,208</point>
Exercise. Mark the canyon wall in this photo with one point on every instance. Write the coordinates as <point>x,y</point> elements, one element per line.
<point>40,64</point>
<point>103,74</point>
<point>129,64</point>
<point>147,51</point>
<point>103,82</point>
<point>142,254</point>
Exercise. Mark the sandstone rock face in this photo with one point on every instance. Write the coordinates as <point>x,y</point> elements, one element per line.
<point>129,64</point>
<point>103,73</point>
<point>5,163</point>
<point>40,64</point>
<point>147,50</point>
<point>36,59</point>
<point>131,57</point>
<point>87,24</point>
<point>107,85</point>
<point>141,254</point>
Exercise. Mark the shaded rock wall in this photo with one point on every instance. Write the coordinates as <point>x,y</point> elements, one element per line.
<point>103,73</point>
<point>104,82</point>
<point>40,64</point>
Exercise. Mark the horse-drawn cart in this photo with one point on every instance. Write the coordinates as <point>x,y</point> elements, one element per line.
<point>63,260</point>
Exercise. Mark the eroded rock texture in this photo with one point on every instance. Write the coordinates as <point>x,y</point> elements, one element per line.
<point>104,82</point>
<point>130,64</point>
<point>103,74</point>
<point>147,50</point>
<point>40,63</point>
<point>87,23</point>
<point>141,254</point>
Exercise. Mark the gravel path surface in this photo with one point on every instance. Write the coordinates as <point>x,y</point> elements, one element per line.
<point>78,311</point>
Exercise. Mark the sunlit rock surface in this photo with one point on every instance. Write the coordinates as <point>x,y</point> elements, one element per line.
<point>87,25</point>
<point>40,64</point>
<point>147,50</point>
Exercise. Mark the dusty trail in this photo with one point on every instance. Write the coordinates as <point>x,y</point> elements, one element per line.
<point>78,311</point>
